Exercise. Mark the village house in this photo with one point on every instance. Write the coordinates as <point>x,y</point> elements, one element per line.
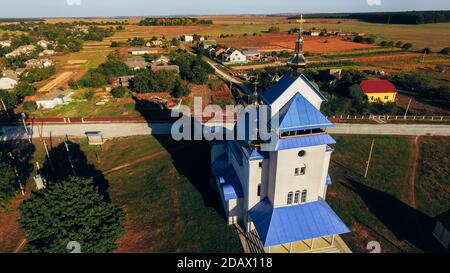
<point>162,60</point>
<point>218,52</point>
<point>314,32</point>
<point>207,44</point>
<point>143,50</point>
<point>136,63</point>
<point>381,91</point>
<point>41,63</point>
<point>11,74</point>
<point>44,44</point>
<point>278,193</point>
<point>233,56</point>
<point>252,55</point>
<point>47,52</point>
<point>5,43</point>
<point>155,43</point>
<point>156,68</point>
<point>187,38</point>
<point>7,83</point>
<point>22,50</point>
<point>53,99</point>
<point>122,81</point>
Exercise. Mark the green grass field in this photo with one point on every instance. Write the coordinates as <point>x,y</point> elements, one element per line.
<point>374,208</point>
<point>433,185</point>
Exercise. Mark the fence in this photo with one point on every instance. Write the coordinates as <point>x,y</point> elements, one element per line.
<point>387,117</point>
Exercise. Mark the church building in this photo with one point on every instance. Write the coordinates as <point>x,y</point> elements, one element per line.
<point>277,195</point>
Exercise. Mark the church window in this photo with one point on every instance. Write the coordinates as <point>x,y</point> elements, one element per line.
<point>289,198</point>
<point>259,190</point>
<point>296,197</point>
<point>304,195</point>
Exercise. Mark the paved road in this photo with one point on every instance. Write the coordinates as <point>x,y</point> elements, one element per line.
<point>133,129</point>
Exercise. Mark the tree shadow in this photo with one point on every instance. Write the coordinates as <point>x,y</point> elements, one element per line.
<point>191,158</point>
<point>18,153</point>
<point>65,162</point>
<point>405,222</point>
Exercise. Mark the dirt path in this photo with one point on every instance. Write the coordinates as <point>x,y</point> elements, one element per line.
<point>410,194</point>
<point>140,160</point>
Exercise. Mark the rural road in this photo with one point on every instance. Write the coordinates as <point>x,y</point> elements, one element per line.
<point>112,130</point>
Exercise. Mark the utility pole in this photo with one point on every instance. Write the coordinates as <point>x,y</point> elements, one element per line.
<point>48,155</point>
<point>68,155</point>
<point>26,128</point>
<point>370,157</point>
<point>6,110</point>
<point>407,108</point>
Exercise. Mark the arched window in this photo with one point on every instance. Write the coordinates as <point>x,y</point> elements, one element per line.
<point>296,197</point>
<point>289,199</point>
<point>304,194</point>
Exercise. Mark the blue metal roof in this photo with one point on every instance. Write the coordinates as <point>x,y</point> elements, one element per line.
<point>271,95</point>
<point>295,223</point>
<point>229,181</point>
<point>300,114</point>
<point>255,155</point>
<point>303,141</point>
<point>328,180</point>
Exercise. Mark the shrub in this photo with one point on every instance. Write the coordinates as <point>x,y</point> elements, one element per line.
<point>358,39</point>
<point>445,51</point>
<point>181,90</point>
<point>96,80</point>
<point>29,106</point>
<point>24,89</point>
<point>119,92</point>
<point>407,46</point>
<point>89,95</point>
<point>426,50</point>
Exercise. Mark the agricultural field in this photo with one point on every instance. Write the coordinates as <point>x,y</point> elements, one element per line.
<point>279,42</point>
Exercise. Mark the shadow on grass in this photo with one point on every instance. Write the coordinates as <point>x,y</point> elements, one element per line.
<point>63,164</point>
<point>405,222</point>
<point>190,158</point>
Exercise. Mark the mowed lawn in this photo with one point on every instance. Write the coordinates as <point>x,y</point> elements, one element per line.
<point>375,208</point>
<point>169,203</point>
<point>433,185</point>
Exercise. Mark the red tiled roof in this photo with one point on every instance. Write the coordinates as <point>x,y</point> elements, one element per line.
<point>377,86</point>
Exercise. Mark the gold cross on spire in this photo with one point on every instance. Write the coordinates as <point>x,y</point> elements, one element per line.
<point>301,21</point>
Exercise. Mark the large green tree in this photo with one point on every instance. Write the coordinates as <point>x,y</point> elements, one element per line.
<point>8,183</point>
<point>71,210</point>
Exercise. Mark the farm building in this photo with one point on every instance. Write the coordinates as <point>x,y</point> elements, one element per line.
<point>143,51</point>
<point>156,68</point>
<point>233,56</point>
<point>252,54</point>
<point>187,38</point>
<point>206,44</point>
<point>122,81</point>
<point>161,60</point>
<point>442,229</point>
<point>7,83</point>
<point>379,91</point>
<point>137,63</point>
<point>53,99</point>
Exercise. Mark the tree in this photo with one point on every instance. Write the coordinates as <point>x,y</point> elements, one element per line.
<point>71,210</point>
<point>199,75</point>
<point>384,43</point>
<point>274,29</point>
<point>96,80</point>
<point>426,50</point>
<point>24,89</point>
<point>141,82</point>
<point>398,44</point>
<point>358,39</point>
<point>163,81</point>
<point>119,92</point>
<point>9,99</point>
<point>181,90</point>
<point>8,183</point>
<point>407,46</point>
<point>89,95</point>
<point>445,51</point>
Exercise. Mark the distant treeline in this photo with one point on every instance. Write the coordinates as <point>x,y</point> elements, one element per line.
<point>404,17</point>
<point>15,20</point>
<point>173,22</point>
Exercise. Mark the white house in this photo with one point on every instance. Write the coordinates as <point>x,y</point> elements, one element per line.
<point>25,49</point>
<point>277,189</point>
<point>233,56</point>
<point>5,43</point>
<point>7,83</point>
<point>187,38</point>
<point>44,44</point>
<point>54,98</point>
<point>143,51</point>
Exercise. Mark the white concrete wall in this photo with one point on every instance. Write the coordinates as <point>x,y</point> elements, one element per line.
<point>287,181</point>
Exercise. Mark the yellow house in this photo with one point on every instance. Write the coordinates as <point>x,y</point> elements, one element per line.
<point>379,91</point>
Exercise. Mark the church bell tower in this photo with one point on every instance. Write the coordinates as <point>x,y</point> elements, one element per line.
<point>298,62</point>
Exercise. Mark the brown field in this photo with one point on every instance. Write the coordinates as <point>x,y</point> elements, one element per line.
<point>58,81</point>
<point>278,42</point>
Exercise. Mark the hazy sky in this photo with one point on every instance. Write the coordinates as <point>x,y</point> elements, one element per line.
<point>98,8</point>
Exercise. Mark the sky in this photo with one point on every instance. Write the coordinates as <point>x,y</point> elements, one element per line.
<point>105,8</point>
